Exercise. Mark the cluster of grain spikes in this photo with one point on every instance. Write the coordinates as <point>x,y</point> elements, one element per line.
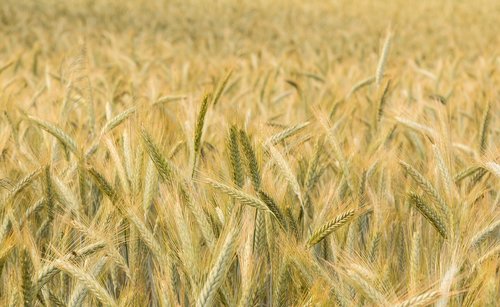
<point>320,169</point>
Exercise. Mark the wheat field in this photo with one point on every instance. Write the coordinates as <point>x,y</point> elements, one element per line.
<point>249,153</point>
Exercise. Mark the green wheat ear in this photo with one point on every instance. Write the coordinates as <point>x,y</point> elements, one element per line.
<point>273,207</point>
<point>200,123</point>
<point>103,184</point>
<point>428,188</point>
<point>382,102</point>
<point>239,195</point>
<point>251,160</point>
<point>483,139</point>
<point>57,132</point>
<point>162,164</point>
<point>117,120</point>
<point>23,183</point>
<point>27,277</point>
<point>198,132</point>
<point>49,194</point>
<point>235,157</point>
<point>329,227</point>
<point>429,214</point>
<point>288,132</point>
